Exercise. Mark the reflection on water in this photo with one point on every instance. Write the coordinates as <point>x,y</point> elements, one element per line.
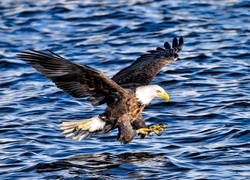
<point>207,136</point>
<point>126,165</point>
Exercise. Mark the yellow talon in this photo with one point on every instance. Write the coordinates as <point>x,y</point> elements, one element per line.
<point>144,131</point>
<point>155,128</point>
<point>157,132</point>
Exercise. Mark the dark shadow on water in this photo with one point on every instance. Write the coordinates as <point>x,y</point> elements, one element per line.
<point>105,165</point>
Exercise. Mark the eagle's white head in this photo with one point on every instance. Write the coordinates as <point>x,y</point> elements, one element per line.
<point>146,94</point>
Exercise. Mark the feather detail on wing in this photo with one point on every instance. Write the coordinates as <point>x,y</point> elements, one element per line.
<point>143,70</point>
<point>75,79</point>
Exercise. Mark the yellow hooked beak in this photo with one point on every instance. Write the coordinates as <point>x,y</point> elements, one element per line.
<point>163,95</point>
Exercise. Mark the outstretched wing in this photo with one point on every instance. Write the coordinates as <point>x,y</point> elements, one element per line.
<point>75,79</point>
<point>143,70</point>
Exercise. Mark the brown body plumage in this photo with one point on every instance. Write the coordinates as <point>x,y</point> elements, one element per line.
<point>126,94</point>
<point>124,117</point>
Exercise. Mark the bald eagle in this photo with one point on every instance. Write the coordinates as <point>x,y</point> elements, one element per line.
<point>126,94</point>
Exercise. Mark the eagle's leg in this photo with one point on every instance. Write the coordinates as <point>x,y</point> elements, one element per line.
<point>138,124</point>
<point>126,131</point>
<point>155,128</point>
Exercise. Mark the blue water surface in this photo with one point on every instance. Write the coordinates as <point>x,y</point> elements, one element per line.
<point>208,116</point>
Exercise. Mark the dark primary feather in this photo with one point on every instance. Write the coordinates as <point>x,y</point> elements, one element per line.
<point>143,70</point>
<point>75,79</point>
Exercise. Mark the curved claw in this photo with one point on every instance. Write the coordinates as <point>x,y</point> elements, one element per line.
<point>157,132</point>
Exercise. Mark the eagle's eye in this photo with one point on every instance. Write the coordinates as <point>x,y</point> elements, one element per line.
<point>158,91</point>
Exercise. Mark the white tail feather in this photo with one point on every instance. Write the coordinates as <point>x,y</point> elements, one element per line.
<point>79,130</point>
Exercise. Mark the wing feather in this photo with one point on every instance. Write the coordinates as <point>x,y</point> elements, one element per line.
<point>75,79</point>
<point>143,70</point>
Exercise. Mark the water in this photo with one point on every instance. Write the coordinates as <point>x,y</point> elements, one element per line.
<point>208,116</point>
